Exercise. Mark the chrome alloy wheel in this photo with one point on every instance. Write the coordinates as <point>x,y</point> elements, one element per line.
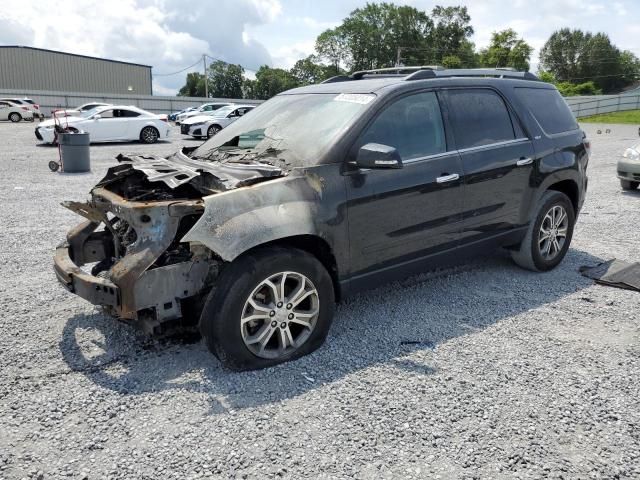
<point>553,232</point>
<point>149,135</point>
<point>279,315</point>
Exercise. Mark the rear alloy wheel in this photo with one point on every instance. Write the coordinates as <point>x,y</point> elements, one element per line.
<point>549,235</point>
<point>149,135</point>
<point>212,130</point>
<point>268,307</point>
<point>629,185</point>
<point>15,117</point>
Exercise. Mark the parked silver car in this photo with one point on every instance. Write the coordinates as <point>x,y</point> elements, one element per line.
<point>629,168</point>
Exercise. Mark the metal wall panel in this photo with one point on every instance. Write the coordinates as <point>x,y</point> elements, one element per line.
<point>25,68</point>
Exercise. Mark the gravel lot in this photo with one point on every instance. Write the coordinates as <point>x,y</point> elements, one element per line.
<point>478,371</point>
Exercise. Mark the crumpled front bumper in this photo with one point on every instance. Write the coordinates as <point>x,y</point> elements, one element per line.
<point>131,284</point>
<point>96,290</point>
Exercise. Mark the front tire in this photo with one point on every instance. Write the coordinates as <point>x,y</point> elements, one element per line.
<point>149,135</point>
<point>270,306</point>
<point>212,130</point>
<point>15,117</point>
<point>549,234</point>
<point>629,185</point>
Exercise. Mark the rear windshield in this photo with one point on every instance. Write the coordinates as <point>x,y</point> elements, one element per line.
<point>548,108</point>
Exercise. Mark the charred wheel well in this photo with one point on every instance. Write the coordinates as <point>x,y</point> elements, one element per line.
<point>316,246</point>
<point>570,189</point>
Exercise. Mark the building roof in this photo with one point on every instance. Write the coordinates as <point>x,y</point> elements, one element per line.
<point>75,55</point>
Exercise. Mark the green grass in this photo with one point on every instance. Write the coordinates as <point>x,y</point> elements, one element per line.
<point>630,116</point>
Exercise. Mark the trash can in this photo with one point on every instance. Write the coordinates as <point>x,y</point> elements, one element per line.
<point>74,152</point>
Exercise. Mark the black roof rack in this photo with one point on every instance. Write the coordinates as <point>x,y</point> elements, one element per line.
<point>433,71</point>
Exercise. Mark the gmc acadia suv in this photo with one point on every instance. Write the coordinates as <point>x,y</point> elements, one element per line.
<point>323,191</point>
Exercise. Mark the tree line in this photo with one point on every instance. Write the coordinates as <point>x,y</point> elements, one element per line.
<point>382,35</point>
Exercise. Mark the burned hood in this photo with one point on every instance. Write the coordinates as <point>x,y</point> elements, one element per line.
<point>179,169</point>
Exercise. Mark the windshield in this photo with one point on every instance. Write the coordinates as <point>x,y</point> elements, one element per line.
<point>294,129</point>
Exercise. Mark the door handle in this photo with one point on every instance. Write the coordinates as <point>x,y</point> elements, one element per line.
<point>447,178</point>
<point>524,161</point>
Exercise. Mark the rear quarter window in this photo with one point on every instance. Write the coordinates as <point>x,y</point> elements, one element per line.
<point>548,108</point>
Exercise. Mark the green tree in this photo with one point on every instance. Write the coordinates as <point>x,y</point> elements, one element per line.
<point>310,70</point>
<point>370,37</point>
<point>331,46</point>
<point>225,80</point>
<point>581,57</point>
<point>506,50</point>
<point>568,89</point>
<point>194,86</point>
<point>269,82</point>
<point>450,35</point>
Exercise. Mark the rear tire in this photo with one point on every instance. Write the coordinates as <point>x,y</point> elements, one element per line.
<point>15,117</point>
<point>629,185</point>
<point>248,325</point>
<point>149,135</point>
<point>540,251</point>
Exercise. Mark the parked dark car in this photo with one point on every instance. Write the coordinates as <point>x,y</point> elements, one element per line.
<point>326,190</point>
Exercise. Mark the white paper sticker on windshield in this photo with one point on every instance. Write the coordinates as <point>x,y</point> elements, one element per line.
<point>354,98</point>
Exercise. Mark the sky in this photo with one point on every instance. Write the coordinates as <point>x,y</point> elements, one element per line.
<point>171,35</point>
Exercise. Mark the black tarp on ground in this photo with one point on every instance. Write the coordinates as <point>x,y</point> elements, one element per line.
<point>615,273</point>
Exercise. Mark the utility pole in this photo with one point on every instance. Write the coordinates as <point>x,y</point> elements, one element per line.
<point>206,81</point>
<point>398,56</point>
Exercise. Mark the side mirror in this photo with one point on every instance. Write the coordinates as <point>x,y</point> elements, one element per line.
<point>376,155</point>
<point>97,116</point>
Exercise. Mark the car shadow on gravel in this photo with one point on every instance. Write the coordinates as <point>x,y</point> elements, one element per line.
<point>396,326</point>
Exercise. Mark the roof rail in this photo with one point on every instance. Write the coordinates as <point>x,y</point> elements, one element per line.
<point>393,70</point>
<point>485,72</point>
<point>434,71</point>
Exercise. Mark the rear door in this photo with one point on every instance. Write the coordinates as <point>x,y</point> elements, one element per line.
<point>397,215</point>
<point>497,162</point>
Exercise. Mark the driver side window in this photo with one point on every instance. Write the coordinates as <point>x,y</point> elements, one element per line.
<point>412,124</point>
<point>106,114</point>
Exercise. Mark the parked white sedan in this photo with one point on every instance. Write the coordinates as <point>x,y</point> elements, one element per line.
<point>114,123</point>
<point>13,112</point>
<point>209,126</point>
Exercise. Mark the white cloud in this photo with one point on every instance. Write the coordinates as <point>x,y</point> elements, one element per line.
<point>161,33</point>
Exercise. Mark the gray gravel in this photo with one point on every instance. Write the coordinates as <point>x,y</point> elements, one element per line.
<point>478,371</point>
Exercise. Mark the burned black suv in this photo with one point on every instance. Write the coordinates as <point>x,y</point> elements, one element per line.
<point>323,191</point>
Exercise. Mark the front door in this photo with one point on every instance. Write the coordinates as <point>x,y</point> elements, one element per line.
<point>398,215</point>
<point>110,126</point>
<point>497,161</point>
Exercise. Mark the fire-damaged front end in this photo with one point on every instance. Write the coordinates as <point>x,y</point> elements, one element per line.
<point>129,255</point>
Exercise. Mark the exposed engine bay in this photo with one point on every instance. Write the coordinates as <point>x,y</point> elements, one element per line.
<point>130,255</point>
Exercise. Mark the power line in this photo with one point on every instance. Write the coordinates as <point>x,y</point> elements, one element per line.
<point>179,71</point>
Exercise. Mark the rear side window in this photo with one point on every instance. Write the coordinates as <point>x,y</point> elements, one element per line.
<point>479,117</point>
<point>413,125</point>
<point>548,108</point>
